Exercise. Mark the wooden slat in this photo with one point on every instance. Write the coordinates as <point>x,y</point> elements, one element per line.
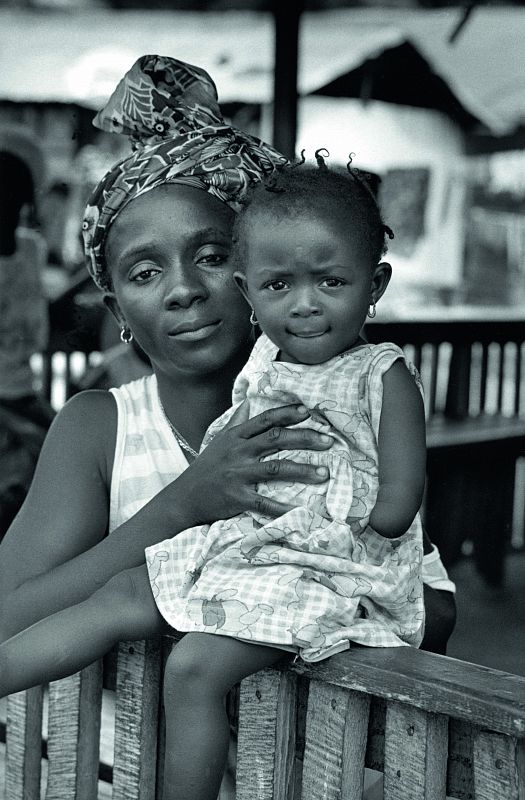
<point>499,767</point>
<point>509,431</point>
<point>460,777</point>
<point>490,698</point>
<point>323,752</point>
<point>266,736</point>
<point>74,735</point>
<point>416,357</point>
<point>446,330</point>
<point>517,379</point>
<point>375,746</point>
<point>335,746</point>
<point>136,720</point>
<point>483,379</point>
<point>501,375</point>
<point>431,392</point>
<point>458,390</point>
<point>436,757</point>
<point>24,744</point>
<point>415,754</point>
<point>354,745</point>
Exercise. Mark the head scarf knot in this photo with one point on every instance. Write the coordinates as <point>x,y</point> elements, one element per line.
<point>169,109</point>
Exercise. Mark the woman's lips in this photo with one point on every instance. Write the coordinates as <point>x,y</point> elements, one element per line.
<point>195,333</point>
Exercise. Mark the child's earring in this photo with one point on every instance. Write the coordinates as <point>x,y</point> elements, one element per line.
<point>126,334</point>
<point>253,318</point>
<point>372,310</point>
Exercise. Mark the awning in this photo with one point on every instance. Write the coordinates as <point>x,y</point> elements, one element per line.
<point>78,56</point>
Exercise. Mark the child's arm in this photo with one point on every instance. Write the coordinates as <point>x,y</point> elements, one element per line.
<point>402,454</point>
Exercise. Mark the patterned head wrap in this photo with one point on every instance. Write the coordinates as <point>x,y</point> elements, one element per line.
<point>170,111</point>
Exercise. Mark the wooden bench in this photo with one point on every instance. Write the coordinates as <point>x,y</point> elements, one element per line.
<point>434,727</point>
<point>473,375</point>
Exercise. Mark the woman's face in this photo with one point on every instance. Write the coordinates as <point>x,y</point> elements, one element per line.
<point>168,253</point>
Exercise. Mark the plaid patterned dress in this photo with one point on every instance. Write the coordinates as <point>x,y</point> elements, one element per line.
<point>319,576</point>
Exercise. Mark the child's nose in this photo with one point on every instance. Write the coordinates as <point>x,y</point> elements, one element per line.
<point>305,304</point>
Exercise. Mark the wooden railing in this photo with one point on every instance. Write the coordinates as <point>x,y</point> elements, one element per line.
<point>433,726</point>
<point>469,367</point>
<point>474,382</point>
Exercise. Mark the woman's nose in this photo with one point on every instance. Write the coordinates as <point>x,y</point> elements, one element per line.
<point>305,303</point>
<point>183,287</point>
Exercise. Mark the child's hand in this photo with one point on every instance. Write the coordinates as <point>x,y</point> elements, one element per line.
<point>222,481</point>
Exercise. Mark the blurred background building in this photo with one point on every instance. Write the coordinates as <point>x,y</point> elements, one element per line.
<point>428,95</point>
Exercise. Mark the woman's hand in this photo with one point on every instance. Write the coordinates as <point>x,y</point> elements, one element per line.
<point>222,481</point>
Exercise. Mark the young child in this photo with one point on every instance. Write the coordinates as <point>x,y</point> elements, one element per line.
<point>344,564</point>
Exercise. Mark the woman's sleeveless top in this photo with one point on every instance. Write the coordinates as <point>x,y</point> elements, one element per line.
<point>147,456</point>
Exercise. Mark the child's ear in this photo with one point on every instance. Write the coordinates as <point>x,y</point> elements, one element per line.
<point>110,301</point>
<point>380,280</point>
<point>240,280</point>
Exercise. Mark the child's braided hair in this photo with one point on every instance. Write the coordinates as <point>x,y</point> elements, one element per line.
<point>295,188</point>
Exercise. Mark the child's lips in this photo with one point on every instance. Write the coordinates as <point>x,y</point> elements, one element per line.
<point>309,334</point>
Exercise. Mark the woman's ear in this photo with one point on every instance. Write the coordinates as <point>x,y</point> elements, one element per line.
<point>110,301</point>
<point>240,280</point>
<point>380,280</point>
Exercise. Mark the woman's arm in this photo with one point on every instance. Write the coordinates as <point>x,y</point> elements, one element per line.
<point>55,555</point>
<point>402,454</point>
<point>66,509</point>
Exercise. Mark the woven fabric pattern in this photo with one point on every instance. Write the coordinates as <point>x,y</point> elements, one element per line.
<point>169,110</point>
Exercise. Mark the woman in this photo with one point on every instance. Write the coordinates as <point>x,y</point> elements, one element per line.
<point>59,538</point>
<point>158,235</point>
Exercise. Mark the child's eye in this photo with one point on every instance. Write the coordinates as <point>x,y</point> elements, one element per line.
<point>276,286</point>
<point>332,283</point>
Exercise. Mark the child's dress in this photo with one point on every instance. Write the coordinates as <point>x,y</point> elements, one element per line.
<point>317,577</point>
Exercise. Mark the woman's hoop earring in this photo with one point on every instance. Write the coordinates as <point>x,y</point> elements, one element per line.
<point>253,319</point>
<point>372,310</point>
<point>126,335</point>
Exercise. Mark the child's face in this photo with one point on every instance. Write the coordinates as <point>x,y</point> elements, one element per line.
<point>310,282</point>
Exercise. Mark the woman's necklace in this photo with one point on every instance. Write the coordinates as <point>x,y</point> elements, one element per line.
<point>181,441</point>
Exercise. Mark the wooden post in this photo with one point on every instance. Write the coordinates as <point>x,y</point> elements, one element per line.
<point>24,744</point>
<point>287,17</point>
<point>74,735</point>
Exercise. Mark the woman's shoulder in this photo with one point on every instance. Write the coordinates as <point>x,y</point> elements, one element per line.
<point>88,402</point>
<point>89,418</point>
<point>81,438</point>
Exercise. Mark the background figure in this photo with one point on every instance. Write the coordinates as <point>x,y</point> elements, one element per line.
<point>24,415</point>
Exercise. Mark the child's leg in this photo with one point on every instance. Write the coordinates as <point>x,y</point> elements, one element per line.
<point>200,671</point>
<point>69,640</point>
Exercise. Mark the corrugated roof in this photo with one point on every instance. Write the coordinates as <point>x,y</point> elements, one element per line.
<point>79,56</point>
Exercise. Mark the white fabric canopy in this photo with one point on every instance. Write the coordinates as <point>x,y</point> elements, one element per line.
<point>78,56</point>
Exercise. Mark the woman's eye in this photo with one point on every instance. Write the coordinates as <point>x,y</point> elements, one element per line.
<point>332,283</point>
<point>212,259</point>
<point>276,286</point>
<point>143,274</point>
